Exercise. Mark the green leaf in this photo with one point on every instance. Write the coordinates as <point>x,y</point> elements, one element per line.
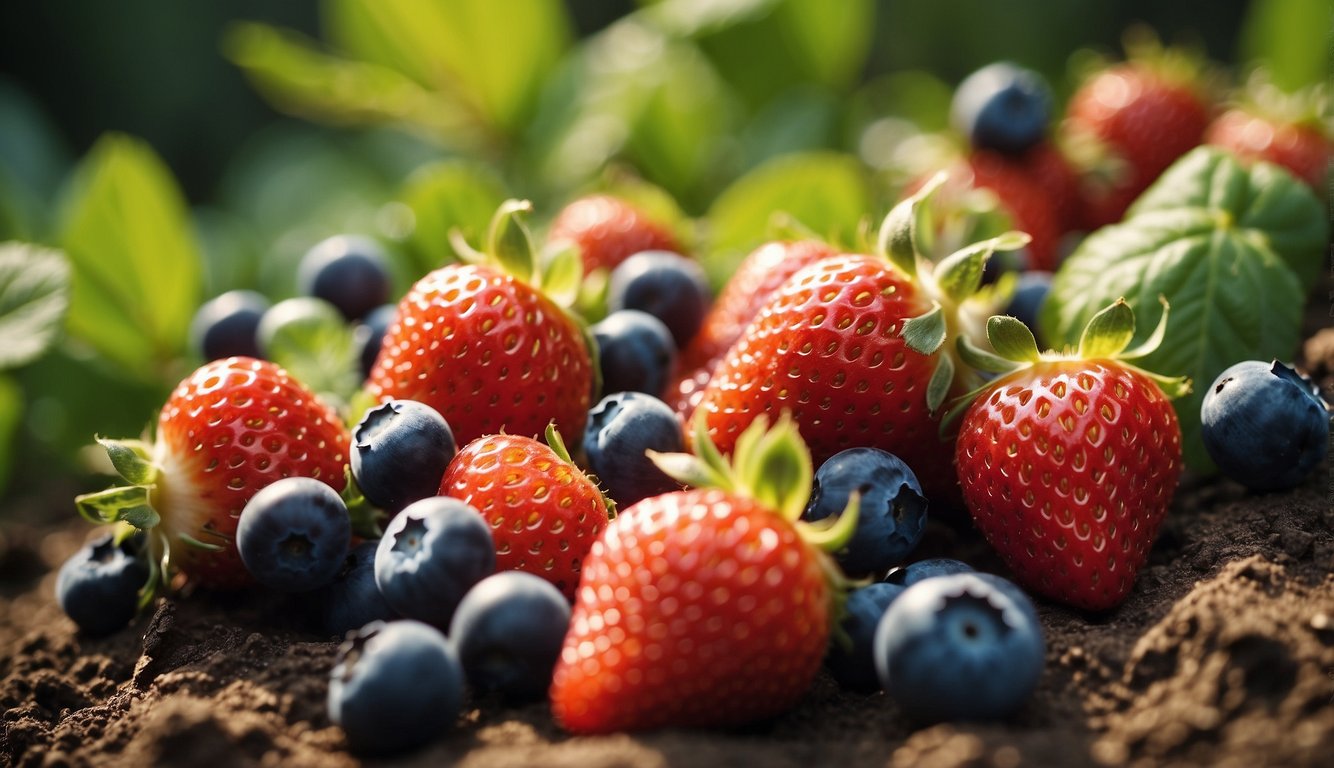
<point>775,469</point>
<point>925,333</point>
<point>455,194</point>
<point>960,273</point>
<point>132,460</point>
<point>982,360</point>
<point>938,388</point>
<point>11,416</point>
<point>902,231</point>
<point>34,295</point>
<point>1290,38</point>
<point>1207,238</point>
<point>137,270</point>
<point>685,469</point>
<point>129,503</point>
<point>1011,339</point>
<point>312,341</point>
<point>509,242</point>
<point>1109,332</point>
<point>562,269</point>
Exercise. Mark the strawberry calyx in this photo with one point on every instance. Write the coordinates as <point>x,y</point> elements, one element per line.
<point>953,286</point>
<point>557,271</point>
<point>557,445</point>
<point>1307,107</point>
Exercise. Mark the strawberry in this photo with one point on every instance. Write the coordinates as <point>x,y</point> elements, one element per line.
<point>747,290</point>
<point>229,429</point>
<point>854,346</point>
<point>544,512</point>
<point>485,347</point>
<point>1028,195</point>
<point>608,230</point>
<point>1068,462</point>
<point>1139,116</point>
<point>1286,129</point>
<point>706,607</point>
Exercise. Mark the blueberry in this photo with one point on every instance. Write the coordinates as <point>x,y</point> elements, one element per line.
<point>293,534</point>
<point>98,587</point>
<point>892,513</point>
<point>930,568</point>
<point>636,352</point>
<point>666,285</point>
<point>399,453</point>
<point>430,555</point>
<point>353,600</point>
<point>368,335</point>
<point>1265,425</point>
<point>348,271</point>
<point>1002,107</point>
<point>1030,291</point>
<point>853,665</point>
<point>509,630</point>
<point>395,686</point>
<point>226,325</point>
<point>620,429</point>
<point>959,648</point>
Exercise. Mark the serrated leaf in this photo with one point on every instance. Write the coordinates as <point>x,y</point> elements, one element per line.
<point>137,271</point>
<point>1011,339</point>
<point>453,195</point>
<point>34,296</point>
<point>131,459</point>
<point>1109,332</point>
<point>1193,239</point>
<point>926,332</point>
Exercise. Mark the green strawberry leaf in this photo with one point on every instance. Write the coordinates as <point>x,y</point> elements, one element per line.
<point>774,467</point>
<point>938,388</point>
<point>509,242</point>
<point>452,195</point>
<point>562,270</point>
<point>1109,332</point>
<point>926,332</point>
<point>1220,243</point>
<point>902,233</point>
<point>980,359</point>
<point>1012,340</point>
<point>128,503</point>
<point>34,296</point>
<point>131,459</point>
<point>960,273</point>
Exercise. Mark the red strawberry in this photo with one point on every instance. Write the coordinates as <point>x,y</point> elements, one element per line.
<point>228,430</point>
<point>758,276</point>
<point>1286,129</point>
<point>486,349</point>
<point>1068,463</point>
<point>608,230</point>
<point>544,512</point>
<point>838,346</point>
<point>703,607</point>
<point>1034,207</point>
<point>1144,113</point>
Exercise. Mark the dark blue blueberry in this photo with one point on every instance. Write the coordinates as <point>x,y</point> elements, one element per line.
<point>508,631</point>
<point>430,556</point>
<point>891,515</point>
<point>635,352</point>
<point>1030,290</point>
<point>667,285</point>
<point>293,535</point>
<point>959,648</point>
<point>98,587</point>
<point>369,335</point>
<point>1002,107</point>
<point>353,600</point>
<point>853,665</point>
<point>620,429</point>
<point>1265,425</point>
<point>226,325</point>
<point>395,686</point>
<point>930,568</point>
<point>399,453</point>
<point>348,271</point>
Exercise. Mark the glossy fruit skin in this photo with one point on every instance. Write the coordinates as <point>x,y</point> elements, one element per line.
<point>1265,425</point>
<point>400,449</point>
<point>430,556</point>
<point>226,325</point>
<point>620,429</point>
<point>661,638</point>
<point>98,586</point>
<point>294,534</point>
<point>488,352</point>
<point>1303,149</point>
<point>668,286</point>
<point>228,430</point>
<point>542,511</point>
<point>891,513</point>
<point>959,648</point>
<point>352,600</point>
<point>929,568</point>
<point>509,630</point>
<point>636,352</point>
<point>395,686</point>
<point>368,335</point>
<point>608,230</point>
<point>1068,469</point>
<point>759,275</point>
<point>1002,107</point>
<point>348,271</point>
<point>827,347</point>
<point>853,667</point>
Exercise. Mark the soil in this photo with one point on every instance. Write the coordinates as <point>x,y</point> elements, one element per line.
<point>1222,656</point>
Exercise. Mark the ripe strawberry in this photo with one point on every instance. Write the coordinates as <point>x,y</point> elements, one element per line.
<point>1068,463</point>
<point>759,275</point>
<point>704,607</point>
<point>854,346</point>
<point>544,512</point>
<point>608,230</point>
<point>1034,206</point>
<point>1286,129</point>
<point>486,349</point>
<point>231,428</point>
